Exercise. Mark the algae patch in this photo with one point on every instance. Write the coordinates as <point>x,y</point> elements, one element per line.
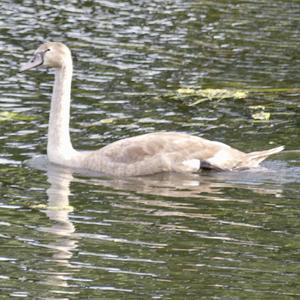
<point>212,94</point>
<point>194,96</point>
<point>259,113</point>
<point>6,116</point>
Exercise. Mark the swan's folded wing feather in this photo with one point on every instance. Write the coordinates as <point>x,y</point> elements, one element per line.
<point>142,147</point>
<point>154,153</point>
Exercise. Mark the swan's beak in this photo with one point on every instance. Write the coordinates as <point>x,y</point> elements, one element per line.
<point>37,60</point>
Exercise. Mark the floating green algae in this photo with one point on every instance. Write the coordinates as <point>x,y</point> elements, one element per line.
<point>259,113</point>
<point>6,116</point>
<point>194,96</point>
<point>212,94</point>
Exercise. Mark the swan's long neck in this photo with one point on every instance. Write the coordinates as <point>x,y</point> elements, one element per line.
<point>59,147</point>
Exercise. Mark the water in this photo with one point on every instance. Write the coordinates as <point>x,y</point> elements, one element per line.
<point>72,235</point>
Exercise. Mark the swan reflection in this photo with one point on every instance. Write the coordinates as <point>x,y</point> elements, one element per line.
<point>208,186</point>
<point>58,210</point>
<point>62,228</point>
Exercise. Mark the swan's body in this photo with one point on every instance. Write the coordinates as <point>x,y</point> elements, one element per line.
<point>141,155</point>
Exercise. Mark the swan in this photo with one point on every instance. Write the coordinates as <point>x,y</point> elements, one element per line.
<point>145,154</point>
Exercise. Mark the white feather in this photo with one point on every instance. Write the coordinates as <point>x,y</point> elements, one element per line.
<point>193,164</point>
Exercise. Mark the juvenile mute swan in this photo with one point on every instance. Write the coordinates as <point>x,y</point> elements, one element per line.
<point>141,155</point>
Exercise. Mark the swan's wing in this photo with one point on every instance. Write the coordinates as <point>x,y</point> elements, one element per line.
<point>159,152</point>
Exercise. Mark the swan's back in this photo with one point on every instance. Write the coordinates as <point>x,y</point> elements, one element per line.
<point>158,152</point>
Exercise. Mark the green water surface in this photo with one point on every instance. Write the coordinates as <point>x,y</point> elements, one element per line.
<point>68,235</point>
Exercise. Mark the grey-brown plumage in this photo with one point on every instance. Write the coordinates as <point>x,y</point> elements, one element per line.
<point>171,152</point>
<point>136,156</point>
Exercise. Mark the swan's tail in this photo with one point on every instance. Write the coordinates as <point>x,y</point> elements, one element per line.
<point>253,159</point>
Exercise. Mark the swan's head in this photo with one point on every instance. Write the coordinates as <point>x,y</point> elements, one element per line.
<point>51,54</point>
